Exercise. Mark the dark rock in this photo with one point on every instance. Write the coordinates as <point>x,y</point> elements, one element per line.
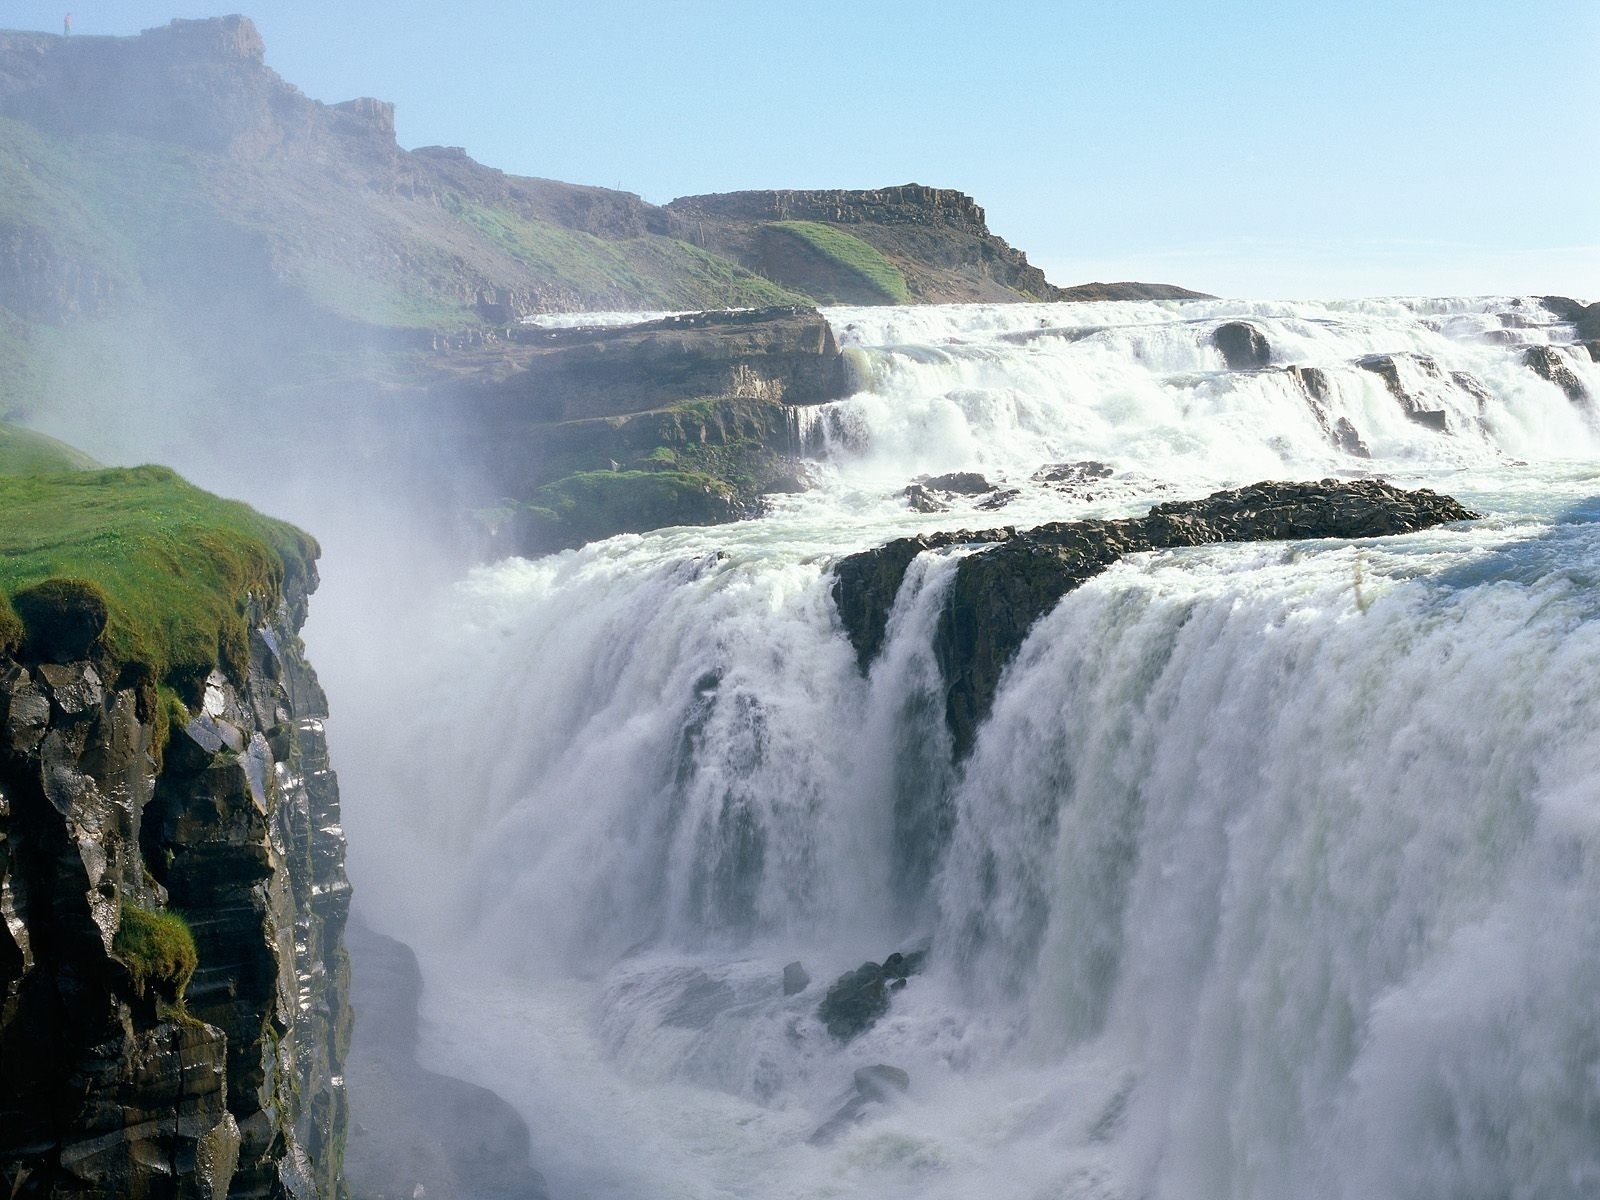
<point>998,594</point>
<point>1585,318</point>
<point>1549,363</point>
<point>876,1085</point>
<point>957,483</point>
<point>1243,346</point>
<point>1348,438</point>
<point>414,1127</point>
<point>1073,474</point>
<point>1387,368</point>
<point>922,500</point>
<point>859,998</point>
<point>795,979</point>
<point>109,1087</point>
<point>999,498</point>
<point>882,1082</point>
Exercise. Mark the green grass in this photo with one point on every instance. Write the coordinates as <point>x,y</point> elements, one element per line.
<point>651,271</point>
<point>176,565</point>
<point>158,950</point>
<point>852,254</point>
<point>24,452</point>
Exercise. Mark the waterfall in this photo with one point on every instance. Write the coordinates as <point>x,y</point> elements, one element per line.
<point>1274,871</point>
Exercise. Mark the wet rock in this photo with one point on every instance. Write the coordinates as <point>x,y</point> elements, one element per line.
<point>957,483</point>
<point>75,687</point>
<point>922,500</point>
<point>876,1085</point>
<point>1243,346</point>
<point>795,979</point>
<point>1387,368</point>
<point>999,498</point>
<point>998,594</point>
<point>859,998</point>
<point>414,1127</point>
<point>1550,364</point>
<point>1348,438</point>
<point>882,1082</point>
<point>1073,474</point>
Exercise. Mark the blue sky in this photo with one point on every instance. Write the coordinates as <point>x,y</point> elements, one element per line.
<point>1266,149</point>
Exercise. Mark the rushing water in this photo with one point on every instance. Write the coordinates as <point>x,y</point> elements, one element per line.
<point>1274,873</point>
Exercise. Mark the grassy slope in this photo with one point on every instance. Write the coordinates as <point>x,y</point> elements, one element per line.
<point>853,255</point>
<point>658,272</point>
<point>176,564</point>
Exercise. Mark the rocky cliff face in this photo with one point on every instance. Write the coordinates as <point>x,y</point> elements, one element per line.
<point>114,1085</point>
<point>936,238</point>
<point>999,593</point>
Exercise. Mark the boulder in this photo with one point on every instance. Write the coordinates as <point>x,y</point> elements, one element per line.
<point>1243,346</point>
<point>922,500</point>
<point>795,979</point>
<point>880,1084</point>
<point>957,483</point>
<point>859,998</point>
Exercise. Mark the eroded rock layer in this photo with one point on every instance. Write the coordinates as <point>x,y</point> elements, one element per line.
<point>998,594</point>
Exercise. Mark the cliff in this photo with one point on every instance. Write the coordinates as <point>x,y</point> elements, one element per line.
<point>173,983</point>
<point>1000,592</point>
<point>173,189</point>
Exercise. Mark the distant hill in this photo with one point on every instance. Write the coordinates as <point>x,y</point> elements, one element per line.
<point>178,161</point>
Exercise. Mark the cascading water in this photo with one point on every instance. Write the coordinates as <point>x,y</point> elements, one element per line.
<point>1274,872</point>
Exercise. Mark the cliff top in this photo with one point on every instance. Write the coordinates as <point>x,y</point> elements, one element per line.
<point>134,564</point>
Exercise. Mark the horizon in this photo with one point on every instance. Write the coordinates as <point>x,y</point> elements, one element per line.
<point>1226,110</point>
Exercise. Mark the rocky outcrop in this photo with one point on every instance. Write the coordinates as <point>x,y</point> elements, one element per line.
<point>687,420</point>
<point>1550,364</point>
<point>114,802</point>
<point>1387,368</point>
<point>936,238</point>
<point>999,594</point>
<point>1243,346</point>
<point>859,998</point>
<point>415,1132</point>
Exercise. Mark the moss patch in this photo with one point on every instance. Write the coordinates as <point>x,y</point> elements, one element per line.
<point>175,565</point>
<point>158,950</point>
<point>850,253</point>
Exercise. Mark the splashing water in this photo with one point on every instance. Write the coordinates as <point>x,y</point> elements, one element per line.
<point>1274,872</point>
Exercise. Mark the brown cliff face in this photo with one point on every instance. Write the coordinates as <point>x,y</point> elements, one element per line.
<point>937,238</point>
<point>109,1087</point>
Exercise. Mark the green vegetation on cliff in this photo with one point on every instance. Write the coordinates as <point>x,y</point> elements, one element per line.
<point>158,950</point>
<point>850,253</point>
<point>167,569</point>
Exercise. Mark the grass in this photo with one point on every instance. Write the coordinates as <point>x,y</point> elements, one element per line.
<point>158,950</point>
<point>175,566</point>
<point>849,252</point>
<point>652,271</point>
<point>24,452</point>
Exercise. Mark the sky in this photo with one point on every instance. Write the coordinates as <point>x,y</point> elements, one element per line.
<point>1268,149</point>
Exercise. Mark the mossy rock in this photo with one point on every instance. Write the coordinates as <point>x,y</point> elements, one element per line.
<point>158,950</point>
<point>592,505</point>
<point>63,619</point>
<point>11,627</point>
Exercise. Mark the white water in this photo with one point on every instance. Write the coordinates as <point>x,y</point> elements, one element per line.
<point>1275,872</point>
